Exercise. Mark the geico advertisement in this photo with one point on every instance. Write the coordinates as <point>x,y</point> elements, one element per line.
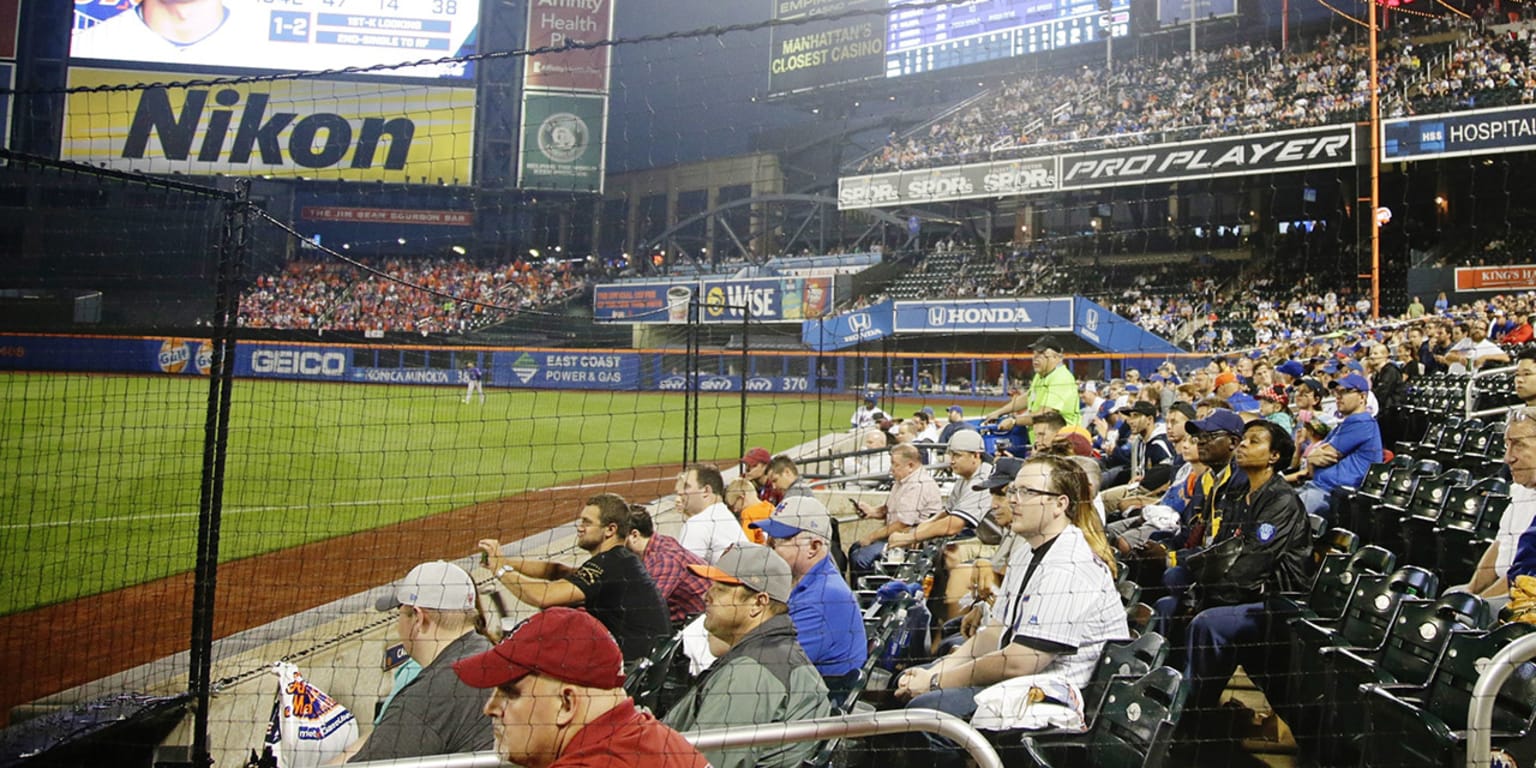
<point>291,362</point>
<point>311,128</point>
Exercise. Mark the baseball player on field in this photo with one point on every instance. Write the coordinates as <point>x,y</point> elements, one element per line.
<point>475,376</point>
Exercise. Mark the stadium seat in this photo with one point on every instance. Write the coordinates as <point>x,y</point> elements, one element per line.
<point>1371,488</point>
<point>1448,449</point>
<point>1362,509</point>
<point>1134,728</point>
<point>1123,661</point>
<point>1427,726</point>
<point>1335,582</point>
<point>649,678</point>
<point>1475,452</point>
<point>1412,649</point>
<point>1372,608</point>
<point>1470,523</point>
<point>1398,527</point>
<point>1337,541</point>
<point>1130,592</point>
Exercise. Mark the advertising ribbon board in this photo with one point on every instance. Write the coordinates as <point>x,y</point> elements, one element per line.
<point>849,329</point>
<point>984,316</point>
<point>1457,134</point>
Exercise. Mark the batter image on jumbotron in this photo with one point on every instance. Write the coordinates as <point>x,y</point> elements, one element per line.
<point>305,35</point>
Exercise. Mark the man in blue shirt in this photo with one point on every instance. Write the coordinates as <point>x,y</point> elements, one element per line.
<point>823,608</point>
<point>1350,449</point>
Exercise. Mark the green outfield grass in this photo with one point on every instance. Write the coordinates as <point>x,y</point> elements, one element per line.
<point>104,481</point>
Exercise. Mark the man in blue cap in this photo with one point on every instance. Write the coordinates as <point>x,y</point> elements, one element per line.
<point>1351,447</point>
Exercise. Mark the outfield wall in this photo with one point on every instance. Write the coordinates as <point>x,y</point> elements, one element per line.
<point>527,368</point>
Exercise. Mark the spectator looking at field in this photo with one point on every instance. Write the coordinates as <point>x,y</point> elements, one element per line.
<point>434,714</point>
<point>612,585</point>
<point>708,525</point>
<point>667,562</point>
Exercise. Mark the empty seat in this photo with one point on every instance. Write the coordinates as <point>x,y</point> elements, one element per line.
<point>1427,726</point>
<point>1412,650</point>
<point>1461,538</point>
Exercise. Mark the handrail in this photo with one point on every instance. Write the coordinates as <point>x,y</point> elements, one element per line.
<point>855,726</point>
<point>1480,709</point>
<point>1470,397</point>
<point>820,729</point>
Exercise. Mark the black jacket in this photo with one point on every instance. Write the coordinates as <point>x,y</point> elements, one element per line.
<point>1264,548</point>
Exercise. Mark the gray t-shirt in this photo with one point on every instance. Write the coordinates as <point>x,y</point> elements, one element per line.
<point>435,714</point>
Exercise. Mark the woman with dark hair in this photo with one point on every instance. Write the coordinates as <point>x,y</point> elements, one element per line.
<point>1056,609</point>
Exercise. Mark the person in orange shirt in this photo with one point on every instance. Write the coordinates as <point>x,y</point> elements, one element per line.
<point>741,497</point>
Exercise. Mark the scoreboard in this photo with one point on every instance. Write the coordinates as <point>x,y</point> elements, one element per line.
<point>818,43</point>
<point>281,35</point>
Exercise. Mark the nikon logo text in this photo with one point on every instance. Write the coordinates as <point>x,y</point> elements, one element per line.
<point>219,132</point>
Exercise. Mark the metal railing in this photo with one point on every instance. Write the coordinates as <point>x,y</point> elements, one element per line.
<point>822,729</point>
<point>1480,710</point>
<point>1471,393</point>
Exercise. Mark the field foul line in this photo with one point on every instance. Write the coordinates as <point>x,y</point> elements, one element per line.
<point>293,507</point>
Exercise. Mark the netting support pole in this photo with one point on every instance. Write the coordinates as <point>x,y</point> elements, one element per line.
<point>233,243</point>
<point>746,361</point>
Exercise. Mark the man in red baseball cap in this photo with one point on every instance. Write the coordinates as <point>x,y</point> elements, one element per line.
<point>559,700</point>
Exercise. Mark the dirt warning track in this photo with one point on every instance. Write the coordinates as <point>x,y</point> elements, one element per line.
<point>55,648</point>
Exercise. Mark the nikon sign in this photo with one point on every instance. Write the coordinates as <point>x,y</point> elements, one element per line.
<point>321,130</point>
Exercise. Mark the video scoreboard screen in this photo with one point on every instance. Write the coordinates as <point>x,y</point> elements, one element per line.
<point>280,35</point>
<point>828,42</point>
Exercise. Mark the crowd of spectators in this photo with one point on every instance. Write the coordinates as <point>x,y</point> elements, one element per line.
<point>332,295</point>
<point>1238,88</point>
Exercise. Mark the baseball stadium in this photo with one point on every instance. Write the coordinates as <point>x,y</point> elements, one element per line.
<point>768,383</point>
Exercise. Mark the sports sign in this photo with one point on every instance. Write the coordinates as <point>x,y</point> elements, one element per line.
<point>1518,277</point>
<point>562,142</point>
<point>848,329</point>
<point>287,35</point>
<point>768,300</point>
<point>554,23</point>
<point>1480,132</point>
<point>1232,156</point>
<point>984,316</point>
<point>565,370</point>
<point>322,130</point>
<point>1210,158</point>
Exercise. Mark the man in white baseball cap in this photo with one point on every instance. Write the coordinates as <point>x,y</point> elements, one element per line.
<point>436,713</point>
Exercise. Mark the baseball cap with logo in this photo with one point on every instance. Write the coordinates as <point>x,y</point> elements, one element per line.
<point>967,441</point>
<point>439,585</point>
<point>566,644</point>
<point>1353,381</point>
<point>753,566</point>
<point>796,515</point>
<point>1046,344</point>
<point>1003,473</point>
<point>757,456</point>
<point>1220,420</point>
<point>1138,407</point>
<point>1291,368</point>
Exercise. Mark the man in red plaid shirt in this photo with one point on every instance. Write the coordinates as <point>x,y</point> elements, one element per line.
<point>667,562</point>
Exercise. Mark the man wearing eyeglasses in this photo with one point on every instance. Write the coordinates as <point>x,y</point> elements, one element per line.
<point>1491,577</point>
<point>1350,449</point>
